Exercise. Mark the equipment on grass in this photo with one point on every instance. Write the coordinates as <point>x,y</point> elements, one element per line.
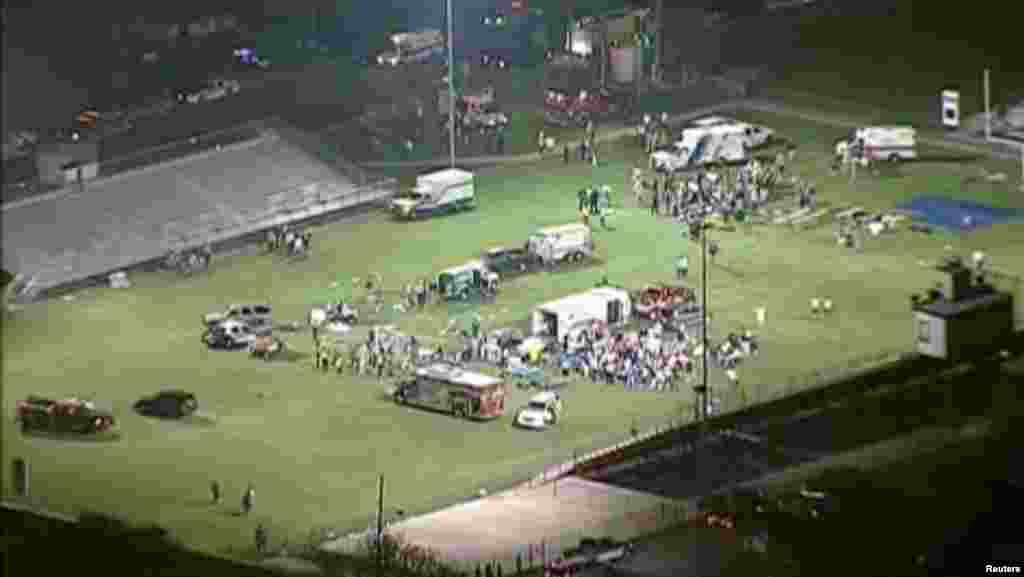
<point>266,347</point>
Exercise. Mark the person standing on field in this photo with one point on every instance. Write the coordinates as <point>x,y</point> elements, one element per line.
<point>248,499</point>
<point>261,539</point>
<point>682,267</point>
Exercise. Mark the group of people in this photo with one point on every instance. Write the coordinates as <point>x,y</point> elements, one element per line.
<point>188,262</point>
<point>594,200</point>
<point>294,243</point>
<point>646,360</point>
<point>654,132</point>
<point>586,150</point>
<point>731,193</point>
<point>387,355</point>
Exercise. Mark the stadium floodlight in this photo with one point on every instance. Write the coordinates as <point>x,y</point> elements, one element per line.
<point>451,88</point>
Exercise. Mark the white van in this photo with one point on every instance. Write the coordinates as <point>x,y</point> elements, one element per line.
<point>448,190</point>
<point>557,319</point>
<point>568,242</point>
<point>751,135</point>
<point>892,143</point>
<point>711,139</point>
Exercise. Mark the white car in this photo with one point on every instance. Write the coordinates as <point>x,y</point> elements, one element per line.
<point>215,91</point>
<point>230,334</point>
<point>543,410</point>
<point>254,315</point>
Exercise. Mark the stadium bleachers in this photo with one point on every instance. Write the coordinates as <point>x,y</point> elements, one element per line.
<point>139,216</point>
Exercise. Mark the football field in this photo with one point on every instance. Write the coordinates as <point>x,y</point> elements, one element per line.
<point>313,444</point>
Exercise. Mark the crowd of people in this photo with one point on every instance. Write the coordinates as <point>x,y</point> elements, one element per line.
<point>649,359</point>
<point>732,193</point>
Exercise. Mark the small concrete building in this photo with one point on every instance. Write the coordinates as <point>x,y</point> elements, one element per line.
<point>966,318</point>
<point>62,163</point>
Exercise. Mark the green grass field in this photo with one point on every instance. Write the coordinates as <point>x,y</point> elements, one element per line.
<point>313,444</point>
<point>891,69</point>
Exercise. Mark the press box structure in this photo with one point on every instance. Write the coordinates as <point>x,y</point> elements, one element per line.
<point>966,319</point>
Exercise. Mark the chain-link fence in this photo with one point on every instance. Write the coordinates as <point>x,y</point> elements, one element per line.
<point>729,399</point>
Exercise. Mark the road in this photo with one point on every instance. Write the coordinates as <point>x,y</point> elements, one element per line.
<point>618,130</point>
<point>956,142</point>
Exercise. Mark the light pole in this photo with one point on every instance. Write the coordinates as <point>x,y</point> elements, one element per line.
<point>451,88</point>
<point>380,525</point>
<point>702,389</point>
<point>988,126</point>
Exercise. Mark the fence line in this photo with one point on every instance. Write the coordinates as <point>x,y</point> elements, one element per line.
<point>819,378</point>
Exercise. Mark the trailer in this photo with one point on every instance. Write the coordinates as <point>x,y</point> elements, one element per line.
<point>557,319</point>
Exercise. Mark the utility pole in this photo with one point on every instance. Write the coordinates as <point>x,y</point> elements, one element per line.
<point>988,105</point>
<point>380,526</point>
<point>658,20</point>
<point>704,391</point>
<point>451,89</point>
<point>988,125</point>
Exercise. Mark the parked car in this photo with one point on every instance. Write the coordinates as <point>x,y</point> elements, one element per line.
<point>254,315</point>
<point>230,335</point>
<point>543,411</point>
<point>167,404</point>
<point>215,90</point>
<point>70,415</point>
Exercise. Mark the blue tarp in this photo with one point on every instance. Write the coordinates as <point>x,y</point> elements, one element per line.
<point>959,215</point>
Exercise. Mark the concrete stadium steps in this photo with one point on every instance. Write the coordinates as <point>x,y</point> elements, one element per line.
<point>134,217</point>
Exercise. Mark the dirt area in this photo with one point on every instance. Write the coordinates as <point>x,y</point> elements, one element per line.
<point>504,525</point>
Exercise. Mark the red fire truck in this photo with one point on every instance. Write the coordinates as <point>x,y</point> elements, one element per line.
<point>447,388</point>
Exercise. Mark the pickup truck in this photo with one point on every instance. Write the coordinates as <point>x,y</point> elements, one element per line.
<point>509,261</point>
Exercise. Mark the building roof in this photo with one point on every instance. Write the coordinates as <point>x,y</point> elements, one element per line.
<point>444,177</point>
<point>593,296</point>
<point>950,309</point>
<point>545,397</point>
<point>563,228</point>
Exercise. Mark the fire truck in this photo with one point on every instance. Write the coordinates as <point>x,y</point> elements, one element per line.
<point>71,415</point>
<point>450,389</point>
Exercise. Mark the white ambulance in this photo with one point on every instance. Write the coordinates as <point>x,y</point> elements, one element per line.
<point>890,143</point>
